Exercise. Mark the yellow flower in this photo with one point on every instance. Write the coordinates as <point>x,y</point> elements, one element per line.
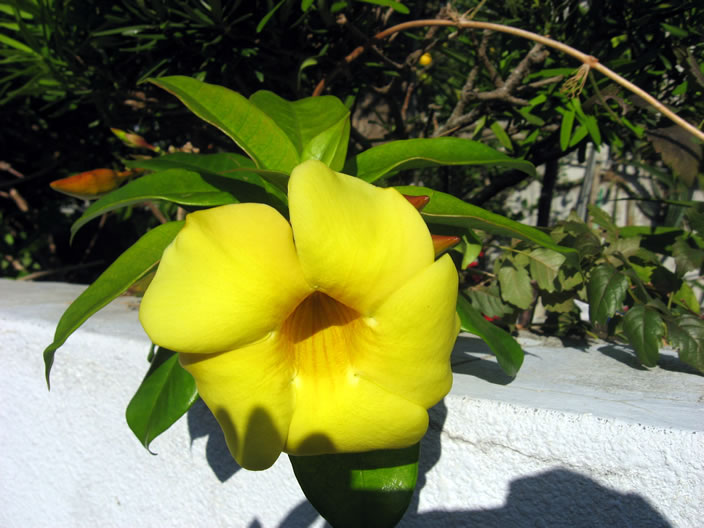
<point>330,334</point>
<point>425,59</point>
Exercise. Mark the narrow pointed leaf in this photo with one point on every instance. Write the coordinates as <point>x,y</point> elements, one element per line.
<point>644,329</point>
<point>445,209</point>
<point>371,489</point>
<point>388,159</point>
<point>508,352</point>
<point>242,121</point>
<point>173,185</point>
<point>165,394</point>
<point>606,291</point>
<point>129,267</point>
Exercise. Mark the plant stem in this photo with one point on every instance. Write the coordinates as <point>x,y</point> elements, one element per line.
<point>589,60</point>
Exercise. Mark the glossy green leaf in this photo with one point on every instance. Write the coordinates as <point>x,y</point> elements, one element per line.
<point>606,291</point>
<point>173,185</point>
<point>133,264</point>
<point>227,165</point>
<point>644,329</point>
<point>165,394</point>
<point>318,127</point>
<point>508,352</point>
<point>515,285</point>
<point>544,267</point>
<point>686,334</point>
<point>387,159</point>
<point>371,489</point>
<point>242,121</point>
<point>445,209</point>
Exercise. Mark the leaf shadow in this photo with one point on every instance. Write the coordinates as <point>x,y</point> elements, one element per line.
<point>472,356</point>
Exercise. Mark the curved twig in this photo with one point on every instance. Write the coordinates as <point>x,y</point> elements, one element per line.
<point>591,61</point>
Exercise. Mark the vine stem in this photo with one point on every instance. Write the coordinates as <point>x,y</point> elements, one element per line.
<point>591,61</point>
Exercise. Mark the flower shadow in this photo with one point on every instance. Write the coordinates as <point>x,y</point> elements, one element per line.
<point>201,422</point>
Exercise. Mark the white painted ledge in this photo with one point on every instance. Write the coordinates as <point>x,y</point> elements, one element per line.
<point>579,439</point>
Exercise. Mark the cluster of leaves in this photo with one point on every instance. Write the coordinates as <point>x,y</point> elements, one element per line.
<point>622,273</point>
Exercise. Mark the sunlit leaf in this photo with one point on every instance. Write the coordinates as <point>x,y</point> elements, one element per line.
<point>318,127</point>
<point>371,489</point>
<point>644,329</point>
<point>516,287</point>
<point>133,264</point>
<point>508,352</point>
<point>388,159</point>
<point>544,267</point>
<point>445,209</point>
<point>686,334</point>
<point>606,291</point>
<point>247,125</point>
<point>165,394</point>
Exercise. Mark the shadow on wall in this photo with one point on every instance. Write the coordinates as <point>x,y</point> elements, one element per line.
<point>553,499</point>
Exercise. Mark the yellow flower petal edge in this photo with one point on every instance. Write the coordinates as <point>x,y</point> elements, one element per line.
<point>357,242</point>
<point>328,335</point>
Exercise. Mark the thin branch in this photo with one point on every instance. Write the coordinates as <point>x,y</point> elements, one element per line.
<point>589,60</point>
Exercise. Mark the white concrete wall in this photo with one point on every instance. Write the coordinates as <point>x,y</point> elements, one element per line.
<point>581,438</point>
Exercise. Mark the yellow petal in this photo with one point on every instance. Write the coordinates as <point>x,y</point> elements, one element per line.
<point>250,393</point>
<point>230,277</point>
<point>411,336</point>
<point>354,415</point>
<point>336,409</point>
<point>356,242</point>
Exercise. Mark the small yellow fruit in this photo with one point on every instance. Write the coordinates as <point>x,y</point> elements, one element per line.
<point>425,59</point>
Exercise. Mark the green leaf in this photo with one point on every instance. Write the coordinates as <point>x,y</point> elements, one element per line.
<point>241,120</point>
<point>508,352</point>
<point>687,258</point>
<point>172,185</point>
<point>487,299</point>
<point>387,159</point>
<point>566,129</point>
<point>268,16</point>
<point>544,267</point>
<point>445,209</point>
<point>371,489</point>
<point>687,298</point>
<point>515,285</point>
<point>501,135</point>
<point>604,220</point>
<point>644,329</point>
<point>606,291</point>
<point>223,164</point>
<point>686,334</point>
<point>318,127</point>
<point>133,264</point>
<point>165,394</point>
<point>396,6</point>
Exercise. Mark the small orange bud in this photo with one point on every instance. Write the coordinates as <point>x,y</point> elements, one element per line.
<point>417,201</point>
<point>90,184</point>
<point>442,243</point>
